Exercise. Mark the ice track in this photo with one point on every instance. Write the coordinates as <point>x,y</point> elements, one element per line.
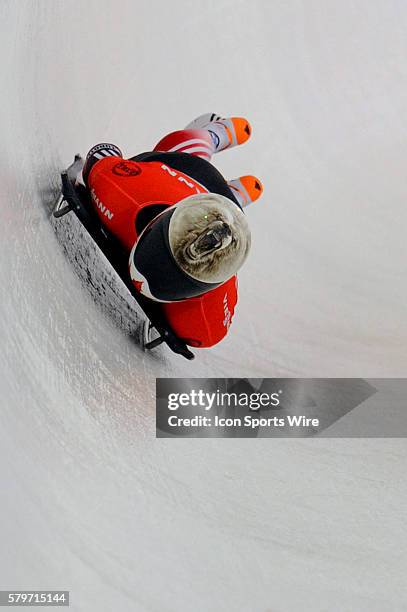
<point>90,501</point>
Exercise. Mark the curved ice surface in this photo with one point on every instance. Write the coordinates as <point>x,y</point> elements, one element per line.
<point>90,501</point>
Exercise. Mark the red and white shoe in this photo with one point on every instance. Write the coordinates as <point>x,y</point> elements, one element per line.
<point>247,189</point>
<point>225,132</point>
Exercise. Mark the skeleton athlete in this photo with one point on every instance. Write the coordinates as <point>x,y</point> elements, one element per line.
<point>181,222</point>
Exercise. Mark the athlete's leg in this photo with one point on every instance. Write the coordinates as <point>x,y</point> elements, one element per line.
<point>206,135</point>
<point>194,142</point>
<point>226,132</point>
<point>209,134</point>
<point>246,189</point>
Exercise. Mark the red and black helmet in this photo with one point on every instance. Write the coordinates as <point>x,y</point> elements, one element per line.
<point>190,248</point>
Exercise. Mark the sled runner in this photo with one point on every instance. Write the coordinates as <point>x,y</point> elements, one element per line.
<point>75,198</point>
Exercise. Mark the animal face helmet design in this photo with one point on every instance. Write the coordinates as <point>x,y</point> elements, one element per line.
<point>209,237</point>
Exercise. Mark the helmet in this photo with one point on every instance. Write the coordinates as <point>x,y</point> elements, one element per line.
<point>190,248</point>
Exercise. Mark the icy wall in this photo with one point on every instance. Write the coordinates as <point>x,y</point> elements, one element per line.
<point>90,501</point>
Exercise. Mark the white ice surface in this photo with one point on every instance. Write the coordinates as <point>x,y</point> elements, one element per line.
<point>90,501</point>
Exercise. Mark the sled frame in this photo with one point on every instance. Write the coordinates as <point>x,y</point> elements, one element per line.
<point>76,199</point>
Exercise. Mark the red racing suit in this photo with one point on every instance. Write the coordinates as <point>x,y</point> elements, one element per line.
<point>126,195</point>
